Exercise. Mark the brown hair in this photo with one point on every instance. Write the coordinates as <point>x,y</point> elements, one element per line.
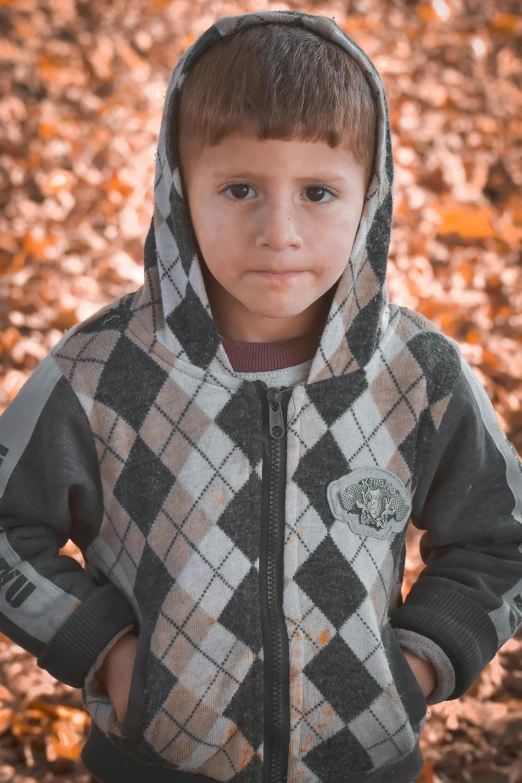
<point>285,82</point>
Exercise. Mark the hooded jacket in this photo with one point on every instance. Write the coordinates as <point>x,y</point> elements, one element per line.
<point>253,533</point>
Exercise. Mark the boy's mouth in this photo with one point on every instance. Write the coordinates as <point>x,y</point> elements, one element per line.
<point>279,275</point>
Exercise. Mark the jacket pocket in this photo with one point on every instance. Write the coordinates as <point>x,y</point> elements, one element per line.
<point>132,725</point>
<point>408,688</point>
<point>99,705</point>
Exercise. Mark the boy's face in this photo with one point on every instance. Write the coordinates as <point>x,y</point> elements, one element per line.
<point>273,205</point>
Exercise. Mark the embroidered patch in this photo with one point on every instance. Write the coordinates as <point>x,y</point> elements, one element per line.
<point>373,501</point>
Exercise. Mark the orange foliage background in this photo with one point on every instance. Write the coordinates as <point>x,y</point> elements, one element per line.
<point>83,84</point>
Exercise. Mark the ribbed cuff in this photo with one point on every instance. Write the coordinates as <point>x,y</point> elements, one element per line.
<point>461,628</point>
<point>429,651</point>
<point>74,648</point>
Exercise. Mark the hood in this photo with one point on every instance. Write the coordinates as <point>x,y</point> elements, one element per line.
<point>174,286</point>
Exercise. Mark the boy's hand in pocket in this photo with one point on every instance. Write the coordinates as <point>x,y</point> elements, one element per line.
<point>116,672</point>
<point>424,672</point>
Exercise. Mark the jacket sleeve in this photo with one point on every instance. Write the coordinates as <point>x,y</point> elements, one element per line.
<point>467,601</point>
<point>50,492</point>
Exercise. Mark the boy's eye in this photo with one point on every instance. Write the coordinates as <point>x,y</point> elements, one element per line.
<point>239,190</point>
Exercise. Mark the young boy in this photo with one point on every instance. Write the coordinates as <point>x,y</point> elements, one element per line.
<point>238,446</point>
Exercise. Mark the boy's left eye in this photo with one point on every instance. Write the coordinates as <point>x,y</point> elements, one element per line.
<point>243,185</point>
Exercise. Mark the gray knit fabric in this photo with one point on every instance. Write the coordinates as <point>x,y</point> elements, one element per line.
<point>425,648</point>
<point>179,439</point>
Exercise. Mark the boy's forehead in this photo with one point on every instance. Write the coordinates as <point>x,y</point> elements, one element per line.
<point>233,156</point>
<point>233,171</point>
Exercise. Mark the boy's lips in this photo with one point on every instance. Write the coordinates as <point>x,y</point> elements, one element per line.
<point>280,275</point>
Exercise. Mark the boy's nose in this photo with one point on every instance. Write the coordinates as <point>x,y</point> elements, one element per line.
<point>278,229</point>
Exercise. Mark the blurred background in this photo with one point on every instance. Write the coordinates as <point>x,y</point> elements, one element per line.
<point>82,90</point>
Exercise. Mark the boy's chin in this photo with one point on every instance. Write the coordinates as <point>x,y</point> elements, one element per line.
<point>275,310</point>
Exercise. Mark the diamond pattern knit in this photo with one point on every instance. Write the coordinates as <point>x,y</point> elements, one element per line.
<point>179,441</point>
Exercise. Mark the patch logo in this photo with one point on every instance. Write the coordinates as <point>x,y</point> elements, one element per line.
<point>373,501</point>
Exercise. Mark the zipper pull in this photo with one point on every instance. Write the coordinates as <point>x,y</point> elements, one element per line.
<point>275,415</point>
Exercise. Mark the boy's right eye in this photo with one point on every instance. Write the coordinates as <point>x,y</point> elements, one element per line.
<point>236,188</point>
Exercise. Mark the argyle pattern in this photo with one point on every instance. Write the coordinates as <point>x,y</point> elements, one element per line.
<point>179,439</point>
<point>181,467</point>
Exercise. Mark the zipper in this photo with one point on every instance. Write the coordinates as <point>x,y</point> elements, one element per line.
<point>276,738</point>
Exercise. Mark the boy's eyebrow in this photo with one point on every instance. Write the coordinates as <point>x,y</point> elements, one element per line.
<point>250,174</point>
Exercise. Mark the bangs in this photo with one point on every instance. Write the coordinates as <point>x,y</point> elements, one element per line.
<point>280,82</point>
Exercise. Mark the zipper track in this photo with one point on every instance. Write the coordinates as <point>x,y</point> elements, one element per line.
<point>275,638</point>
<point>275,774</point>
